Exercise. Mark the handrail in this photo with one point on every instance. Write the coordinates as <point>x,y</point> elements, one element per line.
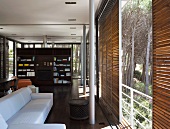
<point>137,91</point>
<point>125,95</point>
<point>131,105</point>
<point>142,105</point>
<point>142,115</point>
<point>126,111</point>
<point>139,123</point>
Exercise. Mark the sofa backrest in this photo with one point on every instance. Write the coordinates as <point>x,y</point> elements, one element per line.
<point>26,94</point>
<point>13,102</point>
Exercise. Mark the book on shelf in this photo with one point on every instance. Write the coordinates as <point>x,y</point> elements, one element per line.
<point>60,81</point>
<point>64,59</point>
<point>30,73</point>
<point>20,64</point>
<point>23,60</point>
<point>69,58</point>
<point>55,74</point>
<point>55,58</point>
<point>29,60</point>
<point>26,64</point>
<point>68,74</point>
<point>67,69</point>
<point>55,80</point>
<point>54,68</point>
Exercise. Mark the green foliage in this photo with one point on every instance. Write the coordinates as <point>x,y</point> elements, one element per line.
<point>140,86</point>
<point>146,5</point>
<point>137,74</point>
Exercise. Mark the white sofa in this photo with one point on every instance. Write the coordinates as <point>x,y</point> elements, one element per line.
<point>23,109</point>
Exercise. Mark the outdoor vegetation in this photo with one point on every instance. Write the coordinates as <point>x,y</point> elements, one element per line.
<point>137,60</point>
<point>76,60</point>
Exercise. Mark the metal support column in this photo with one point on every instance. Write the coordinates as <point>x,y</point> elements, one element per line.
<point>92,63</point>
<point>45,41</point>
<point>81,61</point>
<point>97,61</point>
<point>84,59</point>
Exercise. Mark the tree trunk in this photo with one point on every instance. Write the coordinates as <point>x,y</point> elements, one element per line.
<point>132,57</point>
<point>76,56</point>
<point>124,68</point>
<point>143,73</point>
<point>147,64</point>
<point>128,69</point>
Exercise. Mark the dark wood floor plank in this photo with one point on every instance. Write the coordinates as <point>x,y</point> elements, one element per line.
<point>60,110</point>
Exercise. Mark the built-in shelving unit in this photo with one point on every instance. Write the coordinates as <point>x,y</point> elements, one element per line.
<point>62,69</point>
<point>45,66</point>
<point>26,66</point>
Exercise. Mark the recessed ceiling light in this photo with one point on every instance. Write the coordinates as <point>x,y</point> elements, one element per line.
<point>70,2</point>
<point>72,27</point>
<point>14,34</point>
<point>73,34</point>
<point>71,19</point>
<point>1,28</point>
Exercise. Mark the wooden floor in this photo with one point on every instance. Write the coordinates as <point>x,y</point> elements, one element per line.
<point>60,110</point>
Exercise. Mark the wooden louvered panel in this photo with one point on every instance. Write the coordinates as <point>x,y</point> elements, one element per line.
<point>109,48</point>
<point>161,63</point>
<point>163,109</point>
<point>115,70</point>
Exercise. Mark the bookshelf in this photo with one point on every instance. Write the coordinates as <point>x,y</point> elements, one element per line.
<point>45,66</point>
<point>62,69</point>
<point>25,66</point>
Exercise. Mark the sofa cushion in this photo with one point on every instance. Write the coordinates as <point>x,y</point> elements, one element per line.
<point>37,126</point>
<point>3,124</point>
<point>11,104</point>
<point>35,112</point>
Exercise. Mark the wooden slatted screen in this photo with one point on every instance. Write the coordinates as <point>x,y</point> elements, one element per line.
<point>109,61</point>
<point>161,64</point>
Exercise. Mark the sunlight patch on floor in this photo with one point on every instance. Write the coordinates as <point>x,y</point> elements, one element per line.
<point>80,91</point>
<point>108,127</point>
<point>81,95</point>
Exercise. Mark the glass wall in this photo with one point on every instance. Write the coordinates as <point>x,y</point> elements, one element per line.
<point>11,55</point>
<point>1,57</point>
<point>76,61</point>
<point>137,62</point>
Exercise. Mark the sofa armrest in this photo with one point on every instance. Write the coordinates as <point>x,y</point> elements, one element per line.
<point>42,96</point>
<point>37,126</point>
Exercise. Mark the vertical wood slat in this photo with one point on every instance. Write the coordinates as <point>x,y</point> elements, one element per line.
<point>109,61</point>
<point>161,57</point>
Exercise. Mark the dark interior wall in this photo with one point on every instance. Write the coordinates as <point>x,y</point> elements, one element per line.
<point>4,58</point>
<point>161,63</point>
<point>109,59</point>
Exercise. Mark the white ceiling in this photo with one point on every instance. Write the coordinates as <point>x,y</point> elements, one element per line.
<point>28,20</point>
